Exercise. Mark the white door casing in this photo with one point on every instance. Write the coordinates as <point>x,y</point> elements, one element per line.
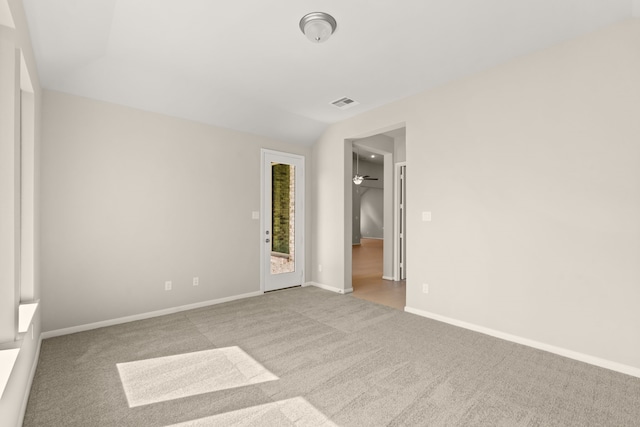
<point>293,274</point>
<point>400,226</point>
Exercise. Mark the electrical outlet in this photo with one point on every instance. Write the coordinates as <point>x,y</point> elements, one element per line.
<point>320,267</point>
<point>167,285</point>
<point>425,288</point>
<point>196,281</point>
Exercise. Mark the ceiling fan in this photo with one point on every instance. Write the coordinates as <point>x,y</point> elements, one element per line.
<point>357,178</point>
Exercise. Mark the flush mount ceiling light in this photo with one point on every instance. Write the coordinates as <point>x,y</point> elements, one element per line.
<point>318,26</point>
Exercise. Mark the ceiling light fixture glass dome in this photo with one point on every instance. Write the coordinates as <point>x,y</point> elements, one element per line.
<point>318,26</point>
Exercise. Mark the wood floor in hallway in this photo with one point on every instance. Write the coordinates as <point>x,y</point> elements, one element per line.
<point>367,276</point>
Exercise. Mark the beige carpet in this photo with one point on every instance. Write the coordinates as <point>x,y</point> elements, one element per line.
<point>309,357</point>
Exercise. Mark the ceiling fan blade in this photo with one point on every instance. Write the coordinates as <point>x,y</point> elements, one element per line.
<point>368,178</point>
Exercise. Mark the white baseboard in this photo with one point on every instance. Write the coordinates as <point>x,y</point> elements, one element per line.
<point>142,316</point>
<point>329,288</point>
<point>388,278</point>
<point>32,374</point>
<point>592,360</point>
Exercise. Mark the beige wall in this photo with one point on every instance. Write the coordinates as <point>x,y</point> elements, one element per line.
<point>532,173</point>
<point>131,199</point>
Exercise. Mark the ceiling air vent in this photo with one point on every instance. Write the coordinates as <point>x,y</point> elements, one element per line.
<point>344,103</point>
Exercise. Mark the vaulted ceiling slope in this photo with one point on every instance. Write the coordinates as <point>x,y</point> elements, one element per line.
<point>245,64</point>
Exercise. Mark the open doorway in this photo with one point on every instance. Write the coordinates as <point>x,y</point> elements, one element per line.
<point>377,244</point>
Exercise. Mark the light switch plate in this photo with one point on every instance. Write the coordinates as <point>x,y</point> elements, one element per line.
<point>426,216</point>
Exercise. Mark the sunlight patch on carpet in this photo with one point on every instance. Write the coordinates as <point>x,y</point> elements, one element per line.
<point>291,412</point>
<point>190,374</point>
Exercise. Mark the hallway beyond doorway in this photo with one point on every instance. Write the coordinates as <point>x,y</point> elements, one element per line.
<point>367,276</point>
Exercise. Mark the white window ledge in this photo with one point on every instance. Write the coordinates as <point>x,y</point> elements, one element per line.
<point>8,356</point>
<point>25,316</point>
<point>7,360</point>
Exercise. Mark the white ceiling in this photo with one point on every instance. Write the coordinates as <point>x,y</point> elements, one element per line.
<point>369,156</point>
<point>245,64</point>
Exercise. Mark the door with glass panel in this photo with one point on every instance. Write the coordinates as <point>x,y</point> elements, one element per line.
<point>282,220</point>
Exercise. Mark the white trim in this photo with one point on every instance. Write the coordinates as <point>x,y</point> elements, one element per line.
<point>262,226</point>
<point>396,220</point>
<point>142,316</point>
<point>329,288</point>
<point>26,311</point>
<point>32,374</point>
<point>592,360</point>
<point>389,278</point>
<point>8,360</point>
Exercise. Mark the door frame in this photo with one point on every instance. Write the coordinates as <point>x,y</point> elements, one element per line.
<point>399,272</point>
<point>388,190</point>
<point>265,267</point>
<point>347,220</point>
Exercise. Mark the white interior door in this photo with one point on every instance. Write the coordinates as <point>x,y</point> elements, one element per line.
<point>282,220</point>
